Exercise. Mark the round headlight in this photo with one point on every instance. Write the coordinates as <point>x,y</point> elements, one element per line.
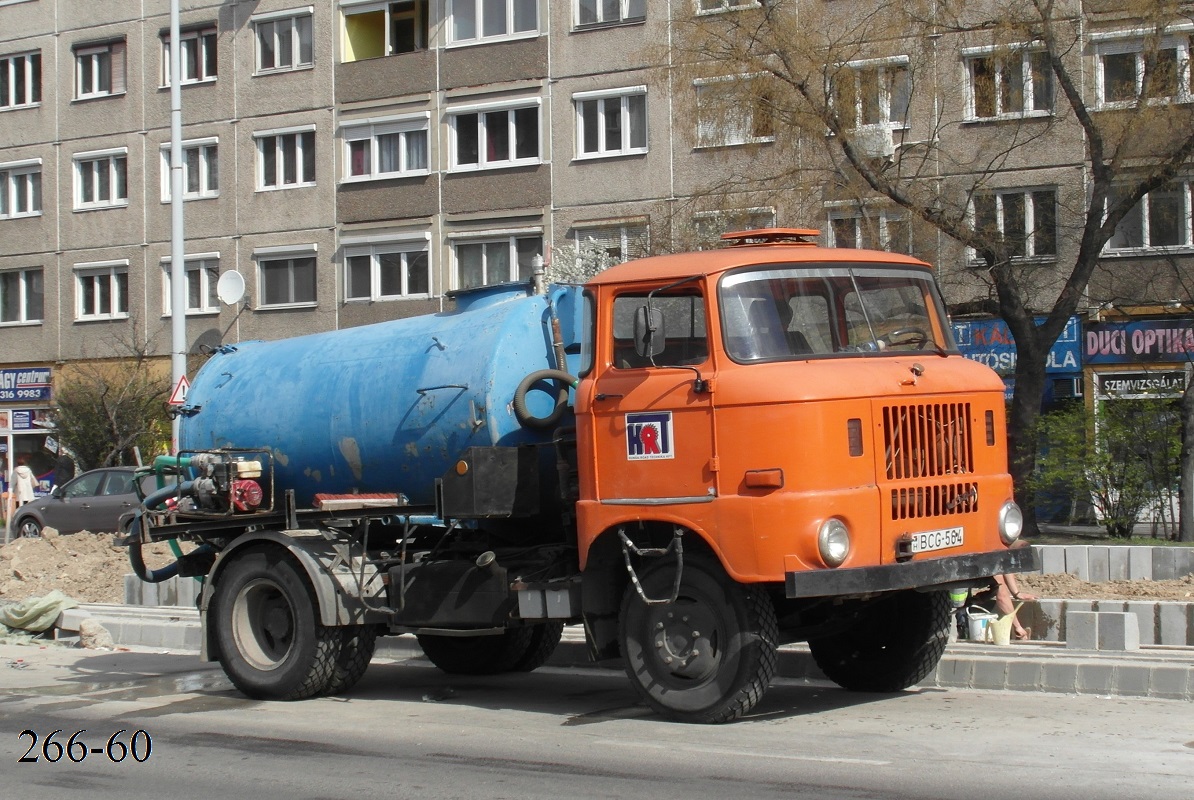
<point>833,541</point>
<point>1011,522</point>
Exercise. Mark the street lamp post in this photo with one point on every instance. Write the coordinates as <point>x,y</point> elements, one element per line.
<point>178,292</point>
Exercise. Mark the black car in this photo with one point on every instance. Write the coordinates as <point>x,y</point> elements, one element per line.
<point>100,500</point>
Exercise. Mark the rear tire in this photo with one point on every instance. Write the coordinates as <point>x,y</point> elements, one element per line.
<point>709,656</point>
<point>892,643</point>
<point>356,651</point>
<point>515,650</point>
<point>272,643</point>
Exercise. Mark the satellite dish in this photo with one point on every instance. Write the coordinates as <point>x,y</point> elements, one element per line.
<point>230,288</point>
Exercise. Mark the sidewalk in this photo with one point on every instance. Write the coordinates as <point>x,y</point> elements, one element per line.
<point>1151,671</point>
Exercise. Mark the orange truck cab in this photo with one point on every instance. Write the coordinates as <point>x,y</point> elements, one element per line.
<point>788,432</point>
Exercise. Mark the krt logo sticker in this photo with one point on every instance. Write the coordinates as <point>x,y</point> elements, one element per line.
<point>649,436</point>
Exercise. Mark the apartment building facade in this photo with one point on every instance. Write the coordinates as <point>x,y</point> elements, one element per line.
<point>358,160</point>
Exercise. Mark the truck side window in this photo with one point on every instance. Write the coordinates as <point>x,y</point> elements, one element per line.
<point>683,324</point>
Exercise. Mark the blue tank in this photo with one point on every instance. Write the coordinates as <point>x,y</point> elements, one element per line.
<point>387,407</point>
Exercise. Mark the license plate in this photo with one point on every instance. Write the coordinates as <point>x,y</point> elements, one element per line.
<point>928,541</point>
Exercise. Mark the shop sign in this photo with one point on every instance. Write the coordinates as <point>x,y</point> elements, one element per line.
<point>1139,341</point>
<point>989,342</point>
<point>22,385</point>
<point>1140,385</point>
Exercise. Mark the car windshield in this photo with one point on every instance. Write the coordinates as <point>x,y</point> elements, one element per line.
<point>804,311</point>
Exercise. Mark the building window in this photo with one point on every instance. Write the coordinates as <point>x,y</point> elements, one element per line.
<point>99,70</point>
<point>707,6</point>
<point>20,189</point>
<point>101,179</point>
<point>286,280</point>
<point>710,225</point>
<point>202,273</point>
<point>386,149</point>
<point>605,12</point>
<point>1124,76</point>
<point>485,261</point>
<point>1014,84</point>
<point>385,29</point>
<point>283,41</point>
<point>20,80</point>
<point>285,159</point>
<point>1160,220</point>
<point>1025,221</point>
<point>386,272</point>
<point>476,20</point>
<point>102,291</point>
<point>22,295</point>
<point>873,93</point>
<point>617,243</point>
<point>198,56</point>
<point>611,123</point>
<point>502,137</point>
<point>869,229</point>
<point>733,111</point>
<point>200,170</point>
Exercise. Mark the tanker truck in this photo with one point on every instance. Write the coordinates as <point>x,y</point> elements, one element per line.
<point>698,457</point>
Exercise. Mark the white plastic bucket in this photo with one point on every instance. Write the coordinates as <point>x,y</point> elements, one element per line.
<point>980,623</point>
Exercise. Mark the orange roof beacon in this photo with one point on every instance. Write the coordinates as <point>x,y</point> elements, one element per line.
<point>699,456</point>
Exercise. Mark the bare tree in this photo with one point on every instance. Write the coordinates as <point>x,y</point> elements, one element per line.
<point>936,109</point>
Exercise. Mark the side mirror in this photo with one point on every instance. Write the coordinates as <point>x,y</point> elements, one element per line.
<point>649,338</point>
<point>56,492</point>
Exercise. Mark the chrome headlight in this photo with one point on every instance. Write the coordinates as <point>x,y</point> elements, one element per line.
<point>833,541</point>
<point>1011,522</point>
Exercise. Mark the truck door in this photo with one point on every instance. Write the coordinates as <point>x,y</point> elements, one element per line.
<point>653,430</point>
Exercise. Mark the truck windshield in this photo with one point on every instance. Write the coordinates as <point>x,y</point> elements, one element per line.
<point>802,311</point>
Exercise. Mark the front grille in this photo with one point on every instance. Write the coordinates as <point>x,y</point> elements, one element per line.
<point>927,440</point>
<point>934,501</point>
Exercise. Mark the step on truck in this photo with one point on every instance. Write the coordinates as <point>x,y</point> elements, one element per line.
<point>699,457</point>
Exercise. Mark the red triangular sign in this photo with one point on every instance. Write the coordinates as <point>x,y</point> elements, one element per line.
<point>179,396</point>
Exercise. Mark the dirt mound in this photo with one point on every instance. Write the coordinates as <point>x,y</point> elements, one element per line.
<point>88,567</point>
<point>1062,586</point>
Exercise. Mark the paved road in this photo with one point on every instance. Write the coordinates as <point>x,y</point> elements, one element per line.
<point>410,731</point>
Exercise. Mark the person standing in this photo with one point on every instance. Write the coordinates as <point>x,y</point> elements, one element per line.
<point>22,483</point>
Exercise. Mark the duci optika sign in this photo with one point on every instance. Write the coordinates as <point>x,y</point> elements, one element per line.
<point>22,385</point>
<point>1138,342</point>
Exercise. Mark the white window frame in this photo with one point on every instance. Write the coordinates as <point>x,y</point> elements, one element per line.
<point>883,100</point>
<point>99,159</point>
<point>483,162</point>
<point>17,184</point>
<point>272,139</point>
<point>1125,44</point>
<point>1004,61</point>
<point>1185,185</point>
<point>102,272</point>
<point>290,254</point>
<point>477,9</point>
<point>625,146</point>
<point>1029,222</point>
<point>205,39</point>
<point>724,132</point>
<point>30,82</point>
<point>25,277</point>
<point>207,266</point>
<point>723,6</point>
<point>510,237</point>
<point>369,130</point>
<point>116,52</point>
<point>422,26</point>
<point>721,221</point>
<point>207,150</point>
<point>633,238</point>
<point>885,219</point>
<point>297,19</point>
<point>406,249</point>
<point>628,11</point>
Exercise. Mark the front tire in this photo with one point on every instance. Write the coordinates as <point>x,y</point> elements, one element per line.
<point>29,528</point>
<point>272,643</point>
<point>892,643</point>
<point>709,656</point>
